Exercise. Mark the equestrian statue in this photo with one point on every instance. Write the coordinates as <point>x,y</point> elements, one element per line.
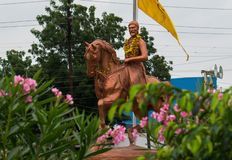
<point>113,79</point>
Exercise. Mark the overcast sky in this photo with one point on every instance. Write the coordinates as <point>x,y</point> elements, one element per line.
<point>204,28</point>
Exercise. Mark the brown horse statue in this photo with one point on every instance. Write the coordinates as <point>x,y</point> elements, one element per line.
<point>112,80</point>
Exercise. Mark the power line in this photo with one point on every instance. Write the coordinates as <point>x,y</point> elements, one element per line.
<point>200,33</point>
<point>200,8</point>
<point>198,70</point>
<point>150,24</point>
<point>213,47</point>
<point>99,1</point>
<point>165,45</point>
<point>195,27</point>
<point>166,6</point>
<point>200,56</point>
<point>19,26</point>
<point>203,61</point>
<point>22,2</point>
<point>18,21</point>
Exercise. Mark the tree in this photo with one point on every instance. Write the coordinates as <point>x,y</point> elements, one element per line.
<point>51,51</point>
<point>17,62</point>
<point>156,65</point>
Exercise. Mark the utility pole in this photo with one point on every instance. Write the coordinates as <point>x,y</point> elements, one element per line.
<point>69,47</point>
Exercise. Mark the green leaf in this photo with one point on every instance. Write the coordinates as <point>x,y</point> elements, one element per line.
<point>40,116</point>
<point>182,102</point>
<point>46,101</point>
<point>210,146</point>
<point>194,145</point>
<point>134,90</point>
<point>126,107</point>
<point>214,102</point>
<point>56,133</point>
<point>13,152</point>
<point>212,118</point>
<point>37,74</point>
<point>55,150</point>
<point>42,88</point>
<point>112,111</point>
<point>14,129</point>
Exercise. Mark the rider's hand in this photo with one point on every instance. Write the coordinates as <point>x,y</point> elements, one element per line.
<point>126,60</point>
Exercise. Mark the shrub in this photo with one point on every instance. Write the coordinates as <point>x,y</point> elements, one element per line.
<point>34,127</point>
<point>188,126</point>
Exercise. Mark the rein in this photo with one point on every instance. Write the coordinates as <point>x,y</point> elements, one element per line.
<point>106,73</point>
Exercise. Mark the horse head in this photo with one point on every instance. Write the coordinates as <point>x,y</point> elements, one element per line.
<point>98,56</point>
<point>92,56</point>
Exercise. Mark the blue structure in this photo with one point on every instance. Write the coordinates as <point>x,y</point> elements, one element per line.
<point>193,84</point>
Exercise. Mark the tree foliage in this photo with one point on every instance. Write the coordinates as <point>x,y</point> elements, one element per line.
<point>51,51</point>
<point>17,62</point>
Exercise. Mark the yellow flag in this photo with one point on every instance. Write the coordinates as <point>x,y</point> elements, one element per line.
<point>157,12</point>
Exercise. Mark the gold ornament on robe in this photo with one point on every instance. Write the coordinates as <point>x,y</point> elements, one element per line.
<point>131,47</point>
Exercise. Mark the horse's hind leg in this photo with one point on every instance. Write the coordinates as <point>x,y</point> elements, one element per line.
<point>138,115</point>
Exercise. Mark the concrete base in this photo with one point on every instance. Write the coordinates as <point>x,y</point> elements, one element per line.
<point>130,152</point>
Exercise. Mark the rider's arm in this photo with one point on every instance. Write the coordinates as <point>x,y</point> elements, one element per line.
<point>144,53</point>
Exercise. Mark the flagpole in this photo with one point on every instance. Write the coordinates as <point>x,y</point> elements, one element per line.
<point>135,10</point>
<point>135,18</point>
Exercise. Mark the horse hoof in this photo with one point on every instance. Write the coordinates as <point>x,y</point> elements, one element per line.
<point>130,136</point>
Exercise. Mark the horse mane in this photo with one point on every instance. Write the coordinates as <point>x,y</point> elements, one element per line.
<point>108,47</point>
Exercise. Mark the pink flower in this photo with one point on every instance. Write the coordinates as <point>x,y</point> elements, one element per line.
<point>102,139</point>
<point>165,123</point>
<point>163,110</point>
<point>69,99</point>
<point>2,93</point>
<point>26,88</point>
<point>176,108</point>
<point>144,122</point>
<point>183,114</point>
<point>28,84</point>
<point>56,92</point>
<point>178,131</point>
<point>161,137</point>
<point>166,107</point>
<point>28,99</point>
<point>118,134</point>
<point>154,115</point>
<point>171,117</point>
<point>31,82</point>
<point>220,96</point>
<point>161,117</point>
<point>18,80</point>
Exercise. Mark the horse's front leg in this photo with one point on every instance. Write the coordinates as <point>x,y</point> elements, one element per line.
<point>102,114</point>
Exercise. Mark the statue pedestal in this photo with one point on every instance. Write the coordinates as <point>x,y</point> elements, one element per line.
<point>122,153</point>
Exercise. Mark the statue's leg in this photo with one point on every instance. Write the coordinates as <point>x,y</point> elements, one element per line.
<point>130,131</point>
<point>138,115</point>
<point>102,115</point>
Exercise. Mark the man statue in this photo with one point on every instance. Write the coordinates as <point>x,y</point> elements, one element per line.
<point>135,53</point>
